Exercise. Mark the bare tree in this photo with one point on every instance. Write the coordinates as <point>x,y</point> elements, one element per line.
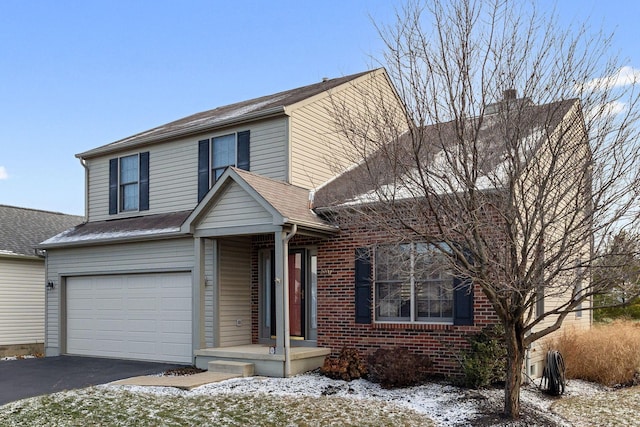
<point>515,156</point>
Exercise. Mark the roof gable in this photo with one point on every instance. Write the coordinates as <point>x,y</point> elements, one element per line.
<point>252,109</point>
<point>242,198</point>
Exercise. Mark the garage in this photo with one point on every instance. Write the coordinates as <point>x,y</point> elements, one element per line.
<point>133,316</point>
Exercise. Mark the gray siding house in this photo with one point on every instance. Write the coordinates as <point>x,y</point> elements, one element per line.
<point>163,269</point>
<point>22,275</point>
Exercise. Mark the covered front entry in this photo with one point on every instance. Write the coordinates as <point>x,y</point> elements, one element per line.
<point>245,211</point>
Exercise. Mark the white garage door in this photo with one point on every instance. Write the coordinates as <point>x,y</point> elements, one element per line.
<point>138,316</point>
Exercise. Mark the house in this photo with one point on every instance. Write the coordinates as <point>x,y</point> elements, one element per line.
<point>206,244</point>
<point>22,276</point>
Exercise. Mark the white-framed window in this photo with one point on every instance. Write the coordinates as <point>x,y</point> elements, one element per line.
<point>129,183</point>
<point>223,154</point>
<point>217,153</point>
<point>412,284</point>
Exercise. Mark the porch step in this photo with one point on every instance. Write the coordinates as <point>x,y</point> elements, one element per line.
<point>231,367</point>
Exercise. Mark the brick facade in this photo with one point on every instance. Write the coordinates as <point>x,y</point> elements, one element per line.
<point>336,304</point>
<point>336,310</point>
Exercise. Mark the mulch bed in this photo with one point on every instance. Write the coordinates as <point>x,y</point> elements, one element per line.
<point>187,370</point>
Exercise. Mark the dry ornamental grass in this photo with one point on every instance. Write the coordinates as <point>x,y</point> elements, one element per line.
<point>608,354</point>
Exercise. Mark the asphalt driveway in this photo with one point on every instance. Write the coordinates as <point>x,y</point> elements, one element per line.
<point>24,378</point>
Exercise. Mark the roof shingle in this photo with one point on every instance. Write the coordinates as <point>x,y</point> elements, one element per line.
<point>21,229</point>
<point>227,114</point>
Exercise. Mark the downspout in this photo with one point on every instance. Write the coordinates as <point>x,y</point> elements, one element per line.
<point>285,291</point>
<point>86,188</point>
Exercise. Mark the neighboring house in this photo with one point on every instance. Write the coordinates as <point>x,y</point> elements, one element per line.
<point>22,275</point>
<point>202,244</point>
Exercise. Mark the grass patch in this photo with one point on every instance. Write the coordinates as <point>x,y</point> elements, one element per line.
<point>101,406</point>
<point>615,408</point>
<point>607,354</point>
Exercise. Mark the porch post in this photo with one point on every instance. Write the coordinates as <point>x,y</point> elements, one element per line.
<point>197,289</point>
<point>281,268</point>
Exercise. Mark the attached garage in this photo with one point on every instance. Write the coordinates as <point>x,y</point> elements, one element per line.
<point>135,316</point>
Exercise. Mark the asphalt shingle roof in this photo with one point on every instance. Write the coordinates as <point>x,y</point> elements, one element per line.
<point>291,201</point>
<point>21,229</point>
<point>224,115</point>
<point>378,171</point>
<point>123,228</point>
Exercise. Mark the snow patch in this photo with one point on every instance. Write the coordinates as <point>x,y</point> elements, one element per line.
<point>446,405</point>
<point>64,237</point>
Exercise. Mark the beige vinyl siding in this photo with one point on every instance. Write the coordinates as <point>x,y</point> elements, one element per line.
<point>173,169</point>
<point>268,142</point>
<point>156,256</point>
<point>235,207</point>
<point>235,292</point>
<point>318,149</point>
<point>563,189</point>
<point>208,291</point>
<point>21,301</point>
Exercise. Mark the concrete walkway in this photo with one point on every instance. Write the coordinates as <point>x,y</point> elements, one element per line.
<point>184,382</point>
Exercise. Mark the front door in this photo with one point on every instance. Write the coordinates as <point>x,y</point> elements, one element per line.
<point>302,291</point>
<point>296,293</point>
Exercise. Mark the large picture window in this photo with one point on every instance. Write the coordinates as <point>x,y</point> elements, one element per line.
<point>412,284</point>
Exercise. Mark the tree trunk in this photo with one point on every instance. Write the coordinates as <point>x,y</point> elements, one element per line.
<point>515,358</point>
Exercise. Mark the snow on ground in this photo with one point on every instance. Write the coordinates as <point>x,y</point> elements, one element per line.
<point>29,356</point>
<point>444,404</point>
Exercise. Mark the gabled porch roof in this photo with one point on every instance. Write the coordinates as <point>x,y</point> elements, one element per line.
<point>243,203</point>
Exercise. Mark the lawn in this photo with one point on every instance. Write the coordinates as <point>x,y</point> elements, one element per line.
<point>109,406</point>
<point>313,400</point>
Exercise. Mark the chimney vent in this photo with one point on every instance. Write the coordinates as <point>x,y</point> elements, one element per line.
<point>324,79</point>
<point>510,94</point>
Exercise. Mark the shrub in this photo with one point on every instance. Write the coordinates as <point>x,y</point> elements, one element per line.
<point>607,354</point>
<point>347,366</point>
<point>631,311</point>
<point>485,361</point>
<point>397,367</point>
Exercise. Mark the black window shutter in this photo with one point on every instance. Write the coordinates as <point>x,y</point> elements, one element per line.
<point>243,150</point>
<point>363,285</point>
<point>462,302</point>
<point>113,186</point>
<point>203,168</point>
<point>144,182</point>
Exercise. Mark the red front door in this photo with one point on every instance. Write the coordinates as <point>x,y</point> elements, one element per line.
<point>296,295</point>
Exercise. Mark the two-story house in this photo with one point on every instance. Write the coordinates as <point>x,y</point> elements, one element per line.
<point>203,242</point>
<point>166,267</point>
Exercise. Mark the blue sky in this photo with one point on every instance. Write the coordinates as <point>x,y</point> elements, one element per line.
<point>75,75</point>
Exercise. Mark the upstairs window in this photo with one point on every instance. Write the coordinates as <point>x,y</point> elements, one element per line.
<point>218,153</point>
<point>129,183</point>
<point>223,154</point>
